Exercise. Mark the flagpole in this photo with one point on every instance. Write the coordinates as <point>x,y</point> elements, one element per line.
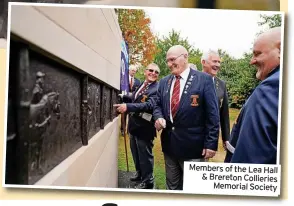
<point>123,122</point>
<point>125,90</point>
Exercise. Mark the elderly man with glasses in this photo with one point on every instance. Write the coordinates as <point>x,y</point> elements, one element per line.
<point>187,110</point>
<point>141,126</point>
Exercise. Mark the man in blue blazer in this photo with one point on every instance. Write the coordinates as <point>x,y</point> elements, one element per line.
<point>141,126</point>
<point>254,135</point>
<point>211,64</point>
<point>187,110</point>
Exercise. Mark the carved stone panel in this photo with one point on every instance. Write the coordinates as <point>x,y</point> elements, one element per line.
<point>53,110</point>
<point>114,100</point>
<point>94,103</point>
<point>55,128</point>
<point>108,106</point>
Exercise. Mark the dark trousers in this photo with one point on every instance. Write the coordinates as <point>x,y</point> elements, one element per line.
<point>143,158</point>
<point>175,172</point>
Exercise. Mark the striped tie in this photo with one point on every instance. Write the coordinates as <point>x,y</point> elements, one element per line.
<point>142,90</point>
<point>176,96</point>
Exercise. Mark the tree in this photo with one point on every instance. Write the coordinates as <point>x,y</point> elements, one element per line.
<point>240,78</point>
<point>195,58</point>
<point>272,20</point>
<point>135,27</point>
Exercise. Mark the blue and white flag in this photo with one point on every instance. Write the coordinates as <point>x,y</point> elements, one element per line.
<point>124,71</point>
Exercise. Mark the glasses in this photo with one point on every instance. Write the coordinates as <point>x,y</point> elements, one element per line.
<point>152,70</point>
<point>172,60</point>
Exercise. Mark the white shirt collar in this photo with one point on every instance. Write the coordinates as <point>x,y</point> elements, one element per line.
<point>184,75</point>
<point>148,82</point>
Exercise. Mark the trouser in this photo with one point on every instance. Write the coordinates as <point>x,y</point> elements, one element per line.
<point>143,158</point>
<point>228,157</point>
<point>175,172</point>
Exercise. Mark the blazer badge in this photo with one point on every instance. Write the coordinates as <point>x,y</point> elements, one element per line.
<point>144,98</point>
<point>194,99</point>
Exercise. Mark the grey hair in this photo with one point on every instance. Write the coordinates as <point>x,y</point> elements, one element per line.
<point>154,65</point>
<point>133,67</point>
<point>208,53</point>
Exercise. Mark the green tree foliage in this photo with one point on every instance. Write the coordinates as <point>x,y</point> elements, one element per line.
<point>240,78</point>
<point>195,58</point>
<point>272,20</point>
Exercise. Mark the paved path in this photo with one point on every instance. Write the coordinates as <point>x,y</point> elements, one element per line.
<point>124,180</point>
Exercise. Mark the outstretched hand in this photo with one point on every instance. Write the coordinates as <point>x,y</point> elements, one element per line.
<point>121,108</point>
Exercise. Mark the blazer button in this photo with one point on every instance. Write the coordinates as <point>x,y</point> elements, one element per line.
<point>173,128</point>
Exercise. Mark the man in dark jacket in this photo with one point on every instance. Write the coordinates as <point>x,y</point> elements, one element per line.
<point>141,126</point>
<point>254,137</point>
<point>187,111</point>
<point>211,65</point>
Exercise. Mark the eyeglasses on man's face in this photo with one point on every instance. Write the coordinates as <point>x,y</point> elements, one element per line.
<point>153,71</point>
<point>172,60</point>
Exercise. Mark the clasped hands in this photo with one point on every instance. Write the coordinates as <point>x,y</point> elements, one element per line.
<point>160,123</point>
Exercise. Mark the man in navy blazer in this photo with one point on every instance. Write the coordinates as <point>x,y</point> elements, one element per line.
<point>141,126</point>
<point>187,110</point>
<point>254,135</point>
<point>211,64</point>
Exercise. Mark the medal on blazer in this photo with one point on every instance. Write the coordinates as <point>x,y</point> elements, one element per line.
<point>144,98</point>
<point>194,99</point>
<point>221,102</point>
<point>189,82</point>
<point>216,84</point>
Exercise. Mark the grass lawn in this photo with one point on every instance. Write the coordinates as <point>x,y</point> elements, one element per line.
<point>159,169</point>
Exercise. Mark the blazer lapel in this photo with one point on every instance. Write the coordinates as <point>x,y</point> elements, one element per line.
<point>146,90</point>
<point>139,87</point>
<point>167,95</point>
<point>186,91</point>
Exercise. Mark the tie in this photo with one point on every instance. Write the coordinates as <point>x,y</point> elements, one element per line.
<point>176,96</point>
<point>131,84</point>
<point>142,90</point>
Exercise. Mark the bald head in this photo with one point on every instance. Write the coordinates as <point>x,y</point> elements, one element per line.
<point>266,52</point>
<point>177,49</point>
<point>177,59</point>
<point>272,37</point>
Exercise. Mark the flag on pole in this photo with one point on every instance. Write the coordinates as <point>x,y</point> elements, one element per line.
<point>124,72</point>
<point>124,88</point>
